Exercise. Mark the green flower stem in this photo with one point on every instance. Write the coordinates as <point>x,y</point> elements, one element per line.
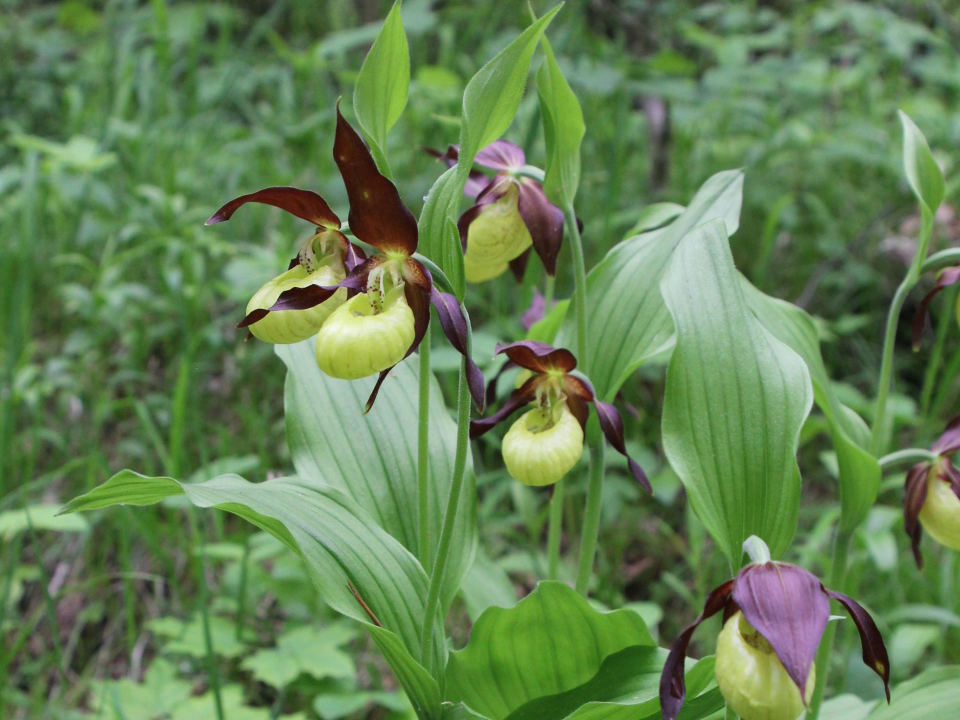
<point>423,454</point>
<point>242,590</point>
<point>890,334</point>
<point>838,573</point>
<point>554,531</point>
<point>450,516</point>
<point>591,519</point>
<point>909,456</point>
<point>205,613</point>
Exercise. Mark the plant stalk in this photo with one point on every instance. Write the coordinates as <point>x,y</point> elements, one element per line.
<point>423,454</point>
<point>838,573</point>
<point>450,516</point>
<point>205,613</point>
<point>554,531</point>
<point>890,333</point>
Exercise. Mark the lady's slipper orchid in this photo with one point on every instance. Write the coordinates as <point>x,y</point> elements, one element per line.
<point>511,215</point>
<point>947,277</point>
<point>545,443</point>
<point>774,616</point>
<point>381,304</point>
<point>932,495</point>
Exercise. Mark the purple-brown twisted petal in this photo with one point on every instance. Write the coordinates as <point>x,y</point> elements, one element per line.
<point>949,442</point>
<point>518,266</point>
<point>477,182</point>
<point>672,686</point>
<point>502,156</point>
<point>871,641</point>
<point>948,277</point>
<point>377,214</point>
<point>786,605</point>
<point>914,496</point>
<point>491,394</point>
<point>536,312</point>
<point>454,326</point>
<point>538,356</point>
<point>304,204</point>
<point>544,221</point>
<point>524,395</point>
<point>493,191</point>
<point>304,298</point>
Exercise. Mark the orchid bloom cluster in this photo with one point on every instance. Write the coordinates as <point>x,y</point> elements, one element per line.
<point>511,215</point>
<point>546,442</point>
<point>932,495</point>
<point>368,313</point>
<point>774,615</point>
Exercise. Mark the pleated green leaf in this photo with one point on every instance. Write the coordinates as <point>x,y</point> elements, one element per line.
<point>923,173</point>
<point>627,322</point>
<point>932,694</point>
<point>373,457</point>
<point>859,469</point>
<point>736,398</point>
<point>551,642</point>
<point>563,130</point>
<point>382,85</point>
<point>490,101</point>
<point>341,545</point>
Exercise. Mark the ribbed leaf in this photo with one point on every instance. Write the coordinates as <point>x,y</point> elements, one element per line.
<point>381,91</point>
<point>736,398</point>
<point>859,469</point>
<point>341,545</point>
<point>933,694</point>
<point>627,322</point>
<point>563,130</point>
<point>373,457</point>
<point>490,101</point>
<point>551,642</point>
<point>923,173</point>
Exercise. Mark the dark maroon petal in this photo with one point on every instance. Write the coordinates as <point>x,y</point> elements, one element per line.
<point>489,194</point>
<point>376,389</point>
<point>786,605</point>
<point>454,326</point>
<point>949,442</point>
<point>523,395</point>
<point>518,266</point>
<point>672,687</point>
<point>377,215</point>
<point>536,312</point>
<point>612,425</point>
<point>579,409</point>
<point>874,651</point>
<point>305,204</point>
<point>914,496</point>
<point>538,356</point>
<point>948,277</point>
<point>491,394</point>
<point>501,155</point>
<point>448,158</point>
<point>477,182</point>
<point>544,220</point>
<point>304,298</point>
<point>578,388</point>
<point>419,301</point>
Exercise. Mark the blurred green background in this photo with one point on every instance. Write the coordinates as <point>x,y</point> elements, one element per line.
<point>126,123</point>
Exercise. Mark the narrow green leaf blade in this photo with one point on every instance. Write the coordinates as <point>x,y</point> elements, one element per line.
<point>341,545</point>
<point>373,457</point>
<point>381,91</point>
<point>627,322</point>
<point>859,469</point>
<point>437,228</point>
<point>923,173</point>
<point>934,693</point>
<point>550,642</point>
<point>736,399</point>
<point>563,130</point>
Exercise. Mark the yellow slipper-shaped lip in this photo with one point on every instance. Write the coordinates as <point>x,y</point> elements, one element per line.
<point>291,326</point>
<point>537,456</point>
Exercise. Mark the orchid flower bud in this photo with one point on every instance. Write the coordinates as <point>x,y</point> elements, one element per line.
<point>495,237</point>
<point>752,679</point>
<point>360,339</point>
<point>940,514</point>
<point>543,446</point>
<point>295,325</point>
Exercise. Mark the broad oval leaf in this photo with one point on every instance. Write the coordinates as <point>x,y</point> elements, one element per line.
<point>373,457</point>
<point>934,693</point>
<point>490,101</point>
<point>736,398</point>
<point>341,545</point>
<point>563,130</point>
<point>551,642</point>
<point>859,469</point>
<point>627,321</point>
<point>382,85</point>
<point>923,172</point>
